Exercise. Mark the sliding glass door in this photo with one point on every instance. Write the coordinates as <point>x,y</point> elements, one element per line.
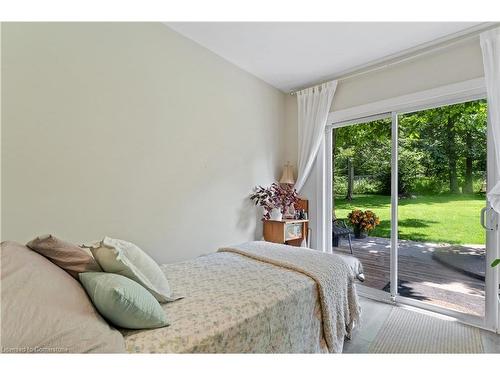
<point>442,179</point>
<point>361,161</point>
<point>408,195</point>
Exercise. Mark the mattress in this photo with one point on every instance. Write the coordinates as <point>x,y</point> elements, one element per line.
<point>234,304</point>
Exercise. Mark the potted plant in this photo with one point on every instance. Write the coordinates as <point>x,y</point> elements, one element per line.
<point>363,222</point>
<point>275,200</point>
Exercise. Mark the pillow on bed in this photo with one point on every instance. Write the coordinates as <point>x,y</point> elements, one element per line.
<point>69,257</point>
<point>45,310</point>
<point>127,259</point>
<point>122,301</point>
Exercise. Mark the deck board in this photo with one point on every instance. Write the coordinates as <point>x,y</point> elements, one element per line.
<point>422,276</point>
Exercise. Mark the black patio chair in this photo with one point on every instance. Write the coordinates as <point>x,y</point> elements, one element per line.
<point>340,229</point>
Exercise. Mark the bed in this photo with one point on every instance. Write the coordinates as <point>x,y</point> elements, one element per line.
<point>236,302</point>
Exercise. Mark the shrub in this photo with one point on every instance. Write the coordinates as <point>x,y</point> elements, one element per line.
<point>430,185</point>
<point>339,185</point>
<point>361,186</point>
<point>410,170</point>
<point>366,186</point>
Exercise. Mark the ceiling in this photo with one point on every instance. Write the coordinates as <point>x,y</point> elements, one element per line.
<point>291,55</point>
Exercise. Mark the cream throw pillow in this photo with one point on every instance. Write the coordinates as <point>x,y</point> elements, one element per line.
<point>126,259</point>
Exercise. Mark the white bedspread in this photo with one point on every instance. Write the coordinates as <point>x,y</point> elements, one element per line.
<point>235,303</point>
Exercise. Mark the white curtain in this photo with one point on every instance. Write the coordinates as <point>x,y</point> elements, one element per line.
<point>490,45</point>
<point>313,107</point>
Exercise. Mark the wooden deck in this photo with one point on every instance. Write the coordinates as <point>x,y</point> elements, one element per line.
<point>420,276</point>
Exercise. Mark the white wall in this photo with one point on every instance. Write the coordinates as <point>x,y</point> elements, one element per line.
<point>130,130</point>
<point>456,63</point>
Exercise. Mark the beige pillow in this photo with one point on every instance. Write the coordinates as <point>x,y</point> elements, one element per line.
<point>69,257</point>
<point>46,310</point>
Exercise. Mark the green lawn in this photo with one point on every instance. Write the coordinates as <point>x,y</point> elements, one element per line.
<point>433,218</point>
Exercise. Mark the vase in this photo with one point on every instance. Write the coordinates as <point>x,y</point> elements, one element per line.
<point>276,214</point>
<point>359,233</point>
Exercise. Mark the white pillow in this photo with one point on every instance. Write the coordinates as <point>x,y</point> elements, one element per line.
<point>126,259</point>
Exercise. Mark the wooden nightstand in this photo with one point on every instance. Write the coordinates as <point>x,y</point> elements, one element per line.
<point>286,231</point>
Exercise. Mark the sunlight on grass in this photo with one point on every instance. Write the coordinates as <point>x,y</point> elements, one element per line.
<point>445,218</point>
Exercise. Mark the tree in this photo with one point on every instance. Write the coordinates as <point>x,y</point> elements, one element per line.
<point>359,150</point>
<point>472,128</point>
<point>451,151</point>
<point>350,180</point>
<point>440,150</point>
<point>452,139</point>
<point>469,158</point>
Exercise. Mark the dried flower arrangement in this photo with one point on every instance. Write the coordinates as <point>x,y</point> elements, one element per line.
<point>279,196</point>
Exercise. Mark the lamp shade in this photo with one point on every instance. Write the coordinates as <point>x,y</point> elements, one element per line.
<point>287,176</point>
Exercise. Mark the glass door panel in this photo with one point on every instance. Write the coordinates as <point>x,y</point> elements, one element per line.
<point>442,166</point>
<point>361,170</point>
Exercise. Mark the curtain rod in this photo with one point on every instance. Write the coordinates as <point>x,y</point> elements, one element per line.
<point>411,53</point>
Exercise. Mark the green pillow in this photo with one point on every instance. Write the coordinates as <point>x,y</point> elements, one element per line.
<point>122,301</point>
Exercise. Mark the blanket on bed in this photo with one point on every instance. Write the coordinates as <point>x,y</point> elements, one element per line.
<point>334,278</point>
<point>235,304</point>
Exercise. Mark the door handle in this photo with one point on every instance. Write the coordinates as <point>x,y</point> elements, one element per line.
<point>484,210</point>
